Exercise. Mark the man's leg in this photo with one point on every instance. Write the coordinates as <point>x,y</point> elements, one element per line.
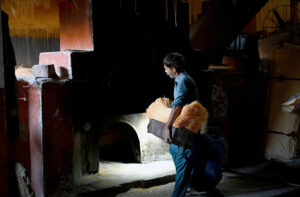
<point>183,171</point>
<point>173,151</point>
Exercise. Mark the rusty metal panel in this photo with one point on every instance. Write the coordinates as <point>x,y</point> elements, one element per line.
<point>237,102</point>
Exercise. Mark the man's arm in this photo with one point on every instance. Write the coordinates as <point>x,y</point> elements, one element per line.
<point>176,110</point>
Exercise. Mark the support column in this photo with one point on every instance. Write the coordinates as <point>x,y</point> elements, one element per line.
<point>3,135</point>
<point>51,137</point>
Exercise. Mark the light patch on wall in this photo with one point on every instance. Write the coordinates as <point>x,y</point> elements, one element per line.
<point>36,18</point>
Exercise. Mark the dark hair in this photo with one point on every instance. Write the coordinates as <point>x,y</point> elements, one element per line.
<point>175,60</point>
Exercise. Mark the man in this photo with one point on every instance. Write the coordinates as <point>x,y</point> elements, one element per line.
<point>185,92</point>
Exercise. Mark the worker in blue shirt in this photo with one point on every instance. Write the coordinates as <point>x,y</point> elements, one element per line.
<point>185,92</point>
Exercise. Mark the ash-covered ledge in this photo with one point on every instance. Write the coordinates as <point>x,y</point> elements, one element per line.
<point>24,74</point>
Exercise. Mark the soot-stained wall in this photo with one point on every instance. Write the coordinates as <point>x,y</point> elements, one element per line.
<point>28,49</point>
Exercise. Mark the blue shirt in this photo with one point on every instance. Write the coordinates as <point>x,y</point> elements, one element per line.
<point>185,90</point>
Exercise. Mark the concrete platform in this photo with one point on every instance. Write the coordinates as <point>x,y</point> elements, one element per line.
<point>157,179</point>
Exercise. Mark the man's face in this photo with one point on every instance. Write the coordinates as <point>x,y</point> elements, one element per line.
<point>171,72</point>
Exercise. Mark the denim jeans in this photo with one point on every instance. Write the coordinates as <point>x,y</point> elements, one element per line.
<point>183,169</point>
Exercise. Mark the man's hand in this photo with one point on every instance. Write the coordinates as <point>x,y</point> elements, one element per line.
<point>168,131</point>
<point>174,114</point>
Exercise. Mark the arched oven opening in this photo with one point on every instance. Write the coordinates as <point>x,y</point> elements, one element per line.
<point>119,143</point>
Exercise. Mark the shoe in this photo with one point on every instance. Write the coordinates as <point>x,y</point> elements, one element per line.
<point>188,190</point>
<point>192,192</point>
